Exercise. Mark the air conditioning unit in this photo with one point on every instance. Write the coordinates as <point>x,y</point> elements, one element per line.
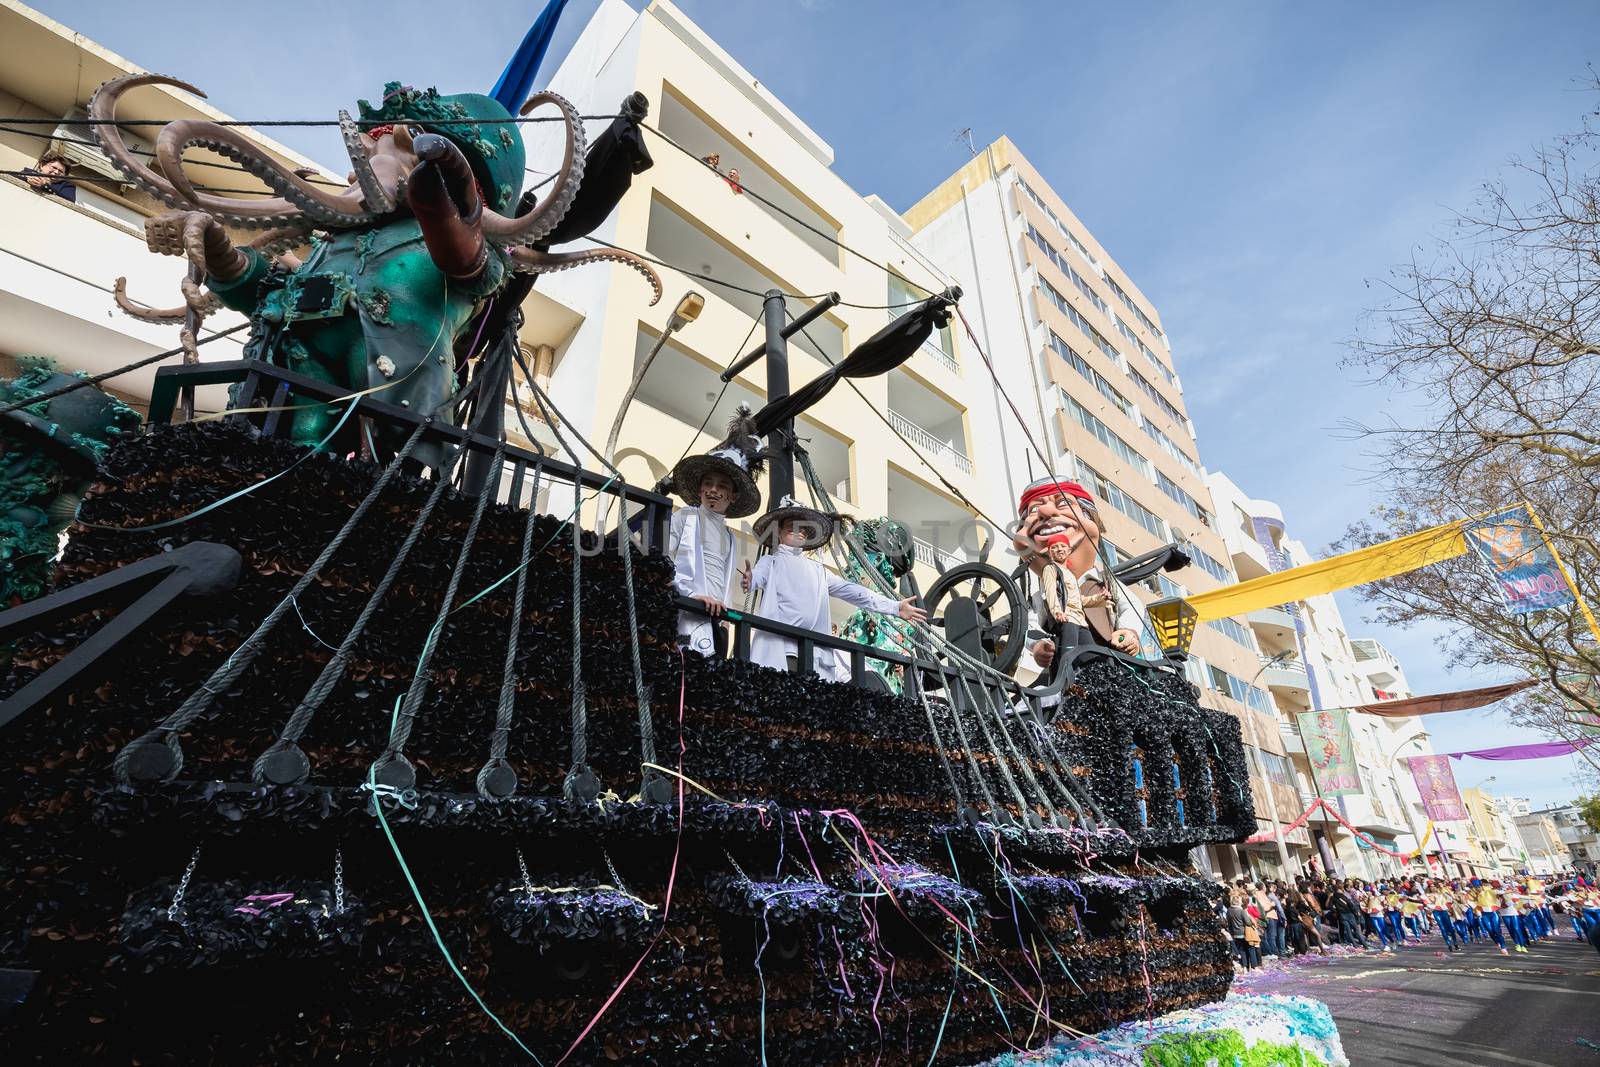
<point>74,139</point>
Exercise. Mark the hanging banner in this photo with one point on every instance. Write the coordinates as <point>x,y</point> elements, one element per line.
<point>1580,696</point>
<point>1460,700</point>
<point>1331,751</point>
<point>1542,750</point>
<point>1437,785</point>
<point>1514,547</point>
<point>1364,565</point>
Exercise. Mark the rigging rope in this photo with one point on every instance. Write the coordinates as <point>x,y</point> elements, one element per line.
<point>492,781</point>
<point>403,774</point>
<point>166,733</point>
<point>284,762</point>
<point>647,740</point>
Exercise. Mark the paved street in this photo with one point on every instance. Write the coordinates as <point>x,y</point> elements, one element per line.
<point>1476,1008</point>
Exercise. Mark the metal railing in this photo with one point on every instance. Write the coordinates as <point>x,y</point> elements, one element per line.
<point>942,356</point>
<point>927,442</point>
<point>932,555</point>
<point>1294,664</point>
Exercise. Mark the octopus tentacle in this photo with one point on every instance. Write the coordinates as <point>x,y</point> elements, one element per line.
<point>330,209</point>
<point>119,292</point>
<point>378,198</point>
<point>539,223</point>
<point>103,107</point>
<point>270,243</point>
<point>531,261</point>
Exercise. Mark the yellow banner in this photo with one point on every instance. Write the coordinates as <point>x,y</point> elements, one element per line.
<point>1338,572</point>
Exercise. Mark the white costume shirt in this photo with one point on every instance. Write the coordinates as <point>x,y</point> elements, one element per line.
<point>702,550</point>
<point>1128,615</point>
<point>795,591</point>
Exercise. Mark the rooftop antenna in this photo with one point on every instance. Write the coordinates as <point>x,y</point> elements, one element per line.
<point>965,134</point>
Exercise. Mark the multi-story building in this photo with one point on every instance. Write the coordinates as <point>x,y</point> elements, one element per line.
<point>1541,838</point>
<point>1310,663</point>
<point>1581,839</point>
<point>909,444</point>
<point>1090,391</point>
<point>1492,843</point>
<point>59,258</point>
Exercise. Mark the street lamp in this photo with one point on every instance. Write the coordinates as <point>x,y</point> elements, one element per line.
<point>1411,816</point>
<point>1255,748</point>
<point>686,311</point>
<point>1174,618</point>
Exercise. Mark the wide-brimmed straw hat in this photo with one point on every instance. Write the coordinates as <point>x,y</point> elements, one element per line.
<point>818,525</point>
<point>739,457</point>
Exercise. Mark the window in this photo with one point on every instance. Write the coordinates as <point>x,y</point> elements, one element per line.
<point>1112,494</point>
<point>1231,628</point>
<point>1102,433</point>
<point>1277,768</point>
<point>1066,268</point>
<point>1134,339</point>
<point>1155,396</point>
<point>903,292</point>
<point>1170,447</point>
<point>1175,492</point>
<point>1211,566</point>
<point>1049,213</point>
<point>1081,365</point>
<point>1122,295</point>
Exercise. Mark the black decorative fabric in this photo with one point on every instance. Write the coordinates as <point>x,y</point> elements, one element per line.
<point>831,797</point>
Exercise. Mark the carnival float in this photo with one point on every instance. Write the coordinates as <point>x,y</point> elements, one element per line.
<point>337,736</point>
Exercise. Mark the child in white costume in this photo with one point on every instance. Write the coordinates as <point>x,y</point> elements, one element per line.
<point>795,588</point>
<point>718,486</point>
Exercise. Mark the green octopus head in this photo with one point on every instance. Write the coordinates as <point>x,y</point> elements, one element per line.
<point>478,125</point>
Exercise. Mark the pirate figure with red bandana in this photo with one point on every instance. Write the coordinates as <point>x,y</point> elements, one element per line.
<point>1064,512</point>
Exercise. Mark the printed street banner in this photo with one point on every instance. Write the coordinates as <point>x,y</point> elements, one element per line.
<point>1514,547</point>
<point>1437,785</point>
<point>1331,751</point>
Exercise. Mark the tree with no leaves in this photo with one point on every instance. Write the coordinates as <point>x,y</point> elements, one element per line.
<point>1498,331</point>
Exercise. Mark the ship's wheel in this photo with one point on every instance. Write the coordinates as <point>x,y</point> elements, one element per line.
<point>982,613</point>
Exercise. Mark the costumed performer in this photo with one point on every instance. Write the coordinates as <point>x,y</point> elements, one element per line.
<point>718,486</point>
<point>795,588</point>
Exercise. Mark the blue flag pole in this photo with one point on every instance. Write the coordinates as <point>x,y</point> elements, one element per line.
<point>516,82</point>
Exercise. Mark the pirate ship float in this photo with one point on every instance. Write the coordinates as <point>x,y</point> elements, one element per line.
<point>323,759</point>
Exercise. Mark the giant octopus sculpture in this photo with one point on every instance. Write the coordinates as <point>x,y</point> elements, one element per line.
<point>403,260</point>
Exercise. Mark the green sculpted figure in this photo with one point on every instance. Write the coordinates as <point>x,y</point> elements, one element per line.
<point>404,260</point>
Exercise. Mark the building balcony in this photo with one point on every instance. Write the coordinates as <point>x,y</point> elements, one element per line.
<point>934,556</point>
<point>779,205</point>
<point>1274,622</point>
<point>56,274</point>
<point>939,356</point>
<point>1289,676</point>
<point>928,444</point>
<point>1292,741</point>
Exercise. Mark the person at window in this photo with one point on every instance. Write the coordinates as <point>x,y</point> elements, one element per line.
<point>49,177</point>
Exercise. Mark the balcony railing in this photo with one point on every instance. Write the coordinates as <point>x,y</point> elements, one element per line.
<point>941,355</point>
<point>933,555</point>
<point>927,442</point>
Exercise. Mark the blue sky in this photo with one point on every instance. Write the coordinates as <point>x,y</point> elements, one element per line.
<point>1256,168</point>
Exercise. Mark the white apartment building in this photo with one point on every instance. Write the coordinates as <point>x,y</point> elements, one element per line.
<point>1089,381</point>
<point>898,448</point>
<point>1310,663</point>
<point>1581,840</point>
<point>59,260</point>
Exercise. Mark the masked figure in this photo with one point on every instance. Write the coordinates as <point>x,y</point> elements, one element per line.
<point>1056,508</point>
